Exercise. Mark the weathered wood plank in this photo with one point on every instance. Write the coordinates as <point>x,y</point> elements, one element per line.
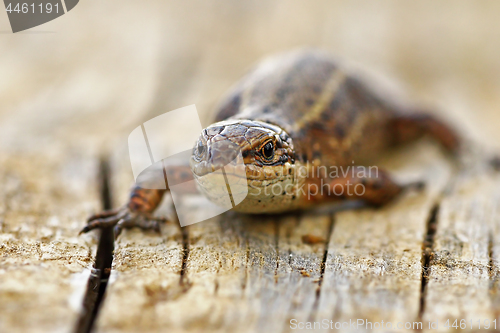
<point>239,273</point>
<point>494,250</point>
<point>459,273</point>
<point>373,267</point>
<point>56,111</point>
<point>146,266</point>
<point>302,244</point>
<point>44,265</point>
<point>50,131</point>
<point>144,281</point>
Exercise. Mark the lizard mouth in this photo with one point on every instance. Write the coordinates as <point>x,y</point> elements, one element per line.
<point>242,156</point>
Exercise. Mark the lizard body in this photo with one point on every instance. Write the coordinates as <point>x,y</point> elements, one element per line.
<point>298,111</point>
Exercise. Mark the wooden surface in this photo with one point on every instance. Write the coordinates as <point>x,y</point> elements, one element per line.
<point>74,88</point>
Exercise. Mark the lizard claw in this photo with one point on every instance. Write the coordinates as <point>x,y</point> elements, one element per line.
<point>144,222</point>
<point>120,219</point>
<point>104,219</point>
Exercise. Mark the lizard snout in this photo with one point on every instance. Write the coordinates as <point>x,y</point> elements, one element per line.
<point>209,157</point>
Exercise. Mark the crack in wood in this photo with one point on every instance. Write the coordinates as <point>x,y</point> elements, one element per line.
<point>315,306</point>
<point>247,265</point>
<point>98,281</point>
<point>185,256</point>
<point>216,282</point>
<point>427,248</point>
<point>492,272</point>
<point>277,225</point>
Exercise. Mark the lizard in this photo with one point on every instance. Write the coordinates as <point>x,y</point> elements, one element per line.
<point>293,111</point>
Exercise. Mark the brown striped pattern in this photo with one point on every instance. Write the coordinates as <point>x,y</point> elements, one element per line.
<point>331,116</point>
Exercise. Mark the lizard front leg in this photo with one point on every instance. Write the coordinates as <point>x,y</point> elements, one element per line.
<point>143,201</point>
<point>374,187</point>
<point>138,212</point>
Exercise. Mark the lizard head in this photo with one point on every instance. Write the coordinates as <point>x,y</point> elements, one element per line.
<point>255,154</point>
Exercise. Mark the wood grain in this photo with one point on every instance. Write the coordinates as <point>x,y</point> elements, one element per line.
<point>460,272</point>
<point>374,265</point>
<point>44,265</point>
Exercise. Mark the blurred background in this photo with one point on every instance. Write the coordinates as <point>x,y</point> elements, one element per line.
<point>95,73</point>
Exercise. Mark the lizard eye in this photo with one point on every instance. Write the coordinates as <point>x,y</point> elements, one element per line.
<point>268,150</point>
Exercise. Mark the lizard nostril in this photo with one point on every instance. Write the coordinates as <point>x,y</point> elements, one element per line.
<point>201,150</point>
